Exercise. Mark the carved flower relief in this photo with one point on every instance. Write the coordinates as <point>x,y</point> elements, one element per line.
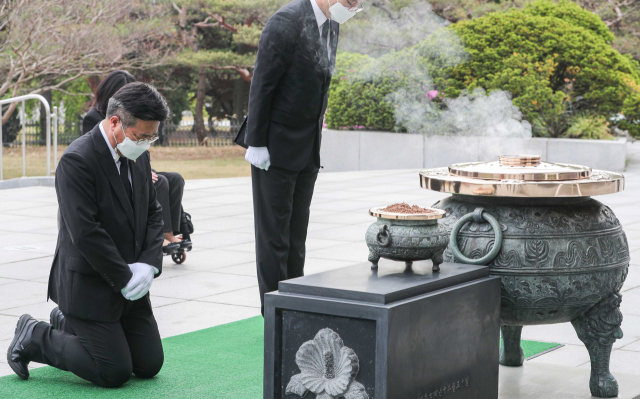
<point>328,369</point>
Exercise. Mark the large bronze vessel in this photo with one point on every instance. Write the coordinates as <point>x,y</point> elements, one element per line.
<point>562,255</point>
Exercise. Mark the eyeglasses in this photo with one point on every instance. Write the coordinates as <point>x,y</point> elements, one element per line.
<point>138,141</point>
<point>354,5</point>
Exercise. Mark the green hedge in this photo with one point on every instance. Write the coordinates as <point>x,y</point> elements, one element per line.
<point>555,59</point>
<point>358,101</point>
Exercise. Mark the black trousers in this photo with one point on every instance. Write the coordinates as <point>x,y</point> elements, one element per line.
<point>281,200</point>
<point>103,353</point>
<point>169,190</point>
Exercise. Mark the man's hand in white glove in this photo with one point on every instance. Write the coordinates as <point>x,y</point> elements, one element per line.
<point>140,283</point>
<point>258,157</point>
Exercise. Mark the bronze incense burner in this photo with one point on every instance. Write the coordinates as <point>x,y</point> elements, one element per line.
<point>562,256</point>
<point>407,237</point>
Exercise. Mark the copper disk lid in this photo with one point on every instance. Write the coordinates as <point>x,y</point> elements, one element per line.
<point>433,214</point>
<point>521,176</point>
<point>520,167</point>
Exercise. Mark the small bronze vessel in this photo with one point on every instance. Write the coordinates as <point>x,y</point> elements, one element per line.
<point>407,237</point>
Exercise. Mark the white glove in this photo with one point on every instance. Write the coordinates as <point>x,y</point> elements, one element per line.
<point>140,283</point>
<point>258,157</point>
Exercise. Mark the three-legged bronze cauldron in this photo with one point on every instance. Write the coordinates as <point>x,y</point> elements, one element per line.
<point>562,255</point>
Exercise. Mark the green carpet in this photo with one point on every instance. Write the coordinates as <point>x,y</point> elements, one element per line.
<point>531,348</point>
<point>219,362</point>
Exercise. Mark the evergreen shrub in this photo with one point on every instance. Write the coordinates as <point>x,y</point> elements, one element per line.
<point>556,59</point>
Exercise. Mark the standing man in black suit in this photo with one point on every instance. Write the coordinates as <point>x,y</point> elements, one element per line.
<point>109,250</point>
<point>287,102</point>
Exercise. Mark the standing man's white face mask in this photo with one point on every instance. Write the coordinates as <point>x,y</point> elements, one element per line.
<point>341,13</point>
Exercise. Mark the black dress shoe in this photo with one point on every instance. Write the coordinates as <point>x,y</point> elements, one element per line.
<point>171,248</point>
<point>186,245</point>
<point>17,353</point>
<point>56,318</point>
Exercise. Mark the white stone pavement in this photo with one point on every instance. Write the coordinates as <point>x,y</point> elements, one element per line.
<point>217,283</point>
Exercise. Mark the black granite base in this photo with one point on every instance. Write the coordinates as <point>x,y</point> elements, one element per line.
<point>415,334</point>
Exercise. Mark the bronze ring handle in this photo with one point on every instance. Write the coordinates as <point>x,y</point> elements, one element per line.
<point>384,236</point>
<point>478,216</point>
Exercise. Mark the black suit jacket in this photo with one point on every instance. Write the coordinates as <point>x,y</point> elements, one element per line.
<point>91,119</point>
<point>290,85</point>
<point>100,232</point>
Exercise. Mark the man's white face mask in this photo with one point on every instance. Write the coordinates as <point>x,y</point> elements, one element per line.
<point>342,14</point>
<point>129,148</point>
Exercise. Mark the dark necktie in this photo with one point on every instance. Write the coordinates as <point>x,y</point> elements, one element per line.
<point>124,177</point>
<point>325,35</point>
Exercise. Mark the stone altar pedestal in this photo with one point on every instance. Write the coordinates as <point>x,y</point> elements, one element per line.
<point>392,333</point>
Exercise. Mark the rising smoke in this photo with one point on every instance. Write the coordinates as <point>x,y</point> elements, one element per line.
<point>471,114</point>
<point>383,30</point>
<point>414,44</point>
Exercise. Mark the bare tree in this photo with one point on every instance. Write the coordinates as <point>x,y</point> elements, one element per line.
<point>45,44</point>
<point>612,12</point>
<point>243,18</point>
<point>621,16</point>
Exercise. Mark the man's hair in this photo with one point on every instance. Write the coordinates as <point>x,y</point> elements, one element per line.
<point>138,101</point>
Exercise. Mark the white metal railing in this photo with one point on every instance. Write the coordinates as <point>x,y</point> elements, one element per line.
<point>23,119</point>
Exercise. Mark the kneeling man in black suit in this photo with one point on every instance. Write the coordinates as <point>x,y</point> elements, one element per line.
<point>109,251</point>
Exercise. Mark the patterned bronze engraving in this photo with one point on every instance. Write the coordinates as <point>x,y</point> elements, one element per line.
<point>406,240</point>
<point>561,260</point>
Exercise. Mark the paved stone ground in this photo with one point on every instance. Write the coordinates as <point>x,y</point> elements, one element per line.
<point>217,283</point>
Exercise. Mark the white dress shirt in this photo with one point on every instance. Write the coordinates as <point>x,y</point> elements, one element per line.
<point>114,154</point>
<point>321,19</point>
<point>116,159</point>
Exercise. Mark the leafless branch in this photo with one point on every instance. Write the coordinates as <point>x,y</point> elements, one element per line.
<point>222,22</point>
<point>244,72</point>
<point>46,44</point>
<point>384,6</point>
